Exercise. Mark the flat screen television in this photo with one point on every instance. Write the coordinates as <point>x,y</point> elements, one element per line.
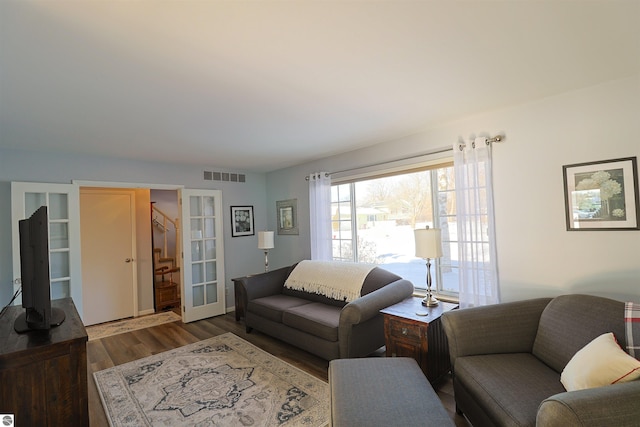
<point>35,278</point>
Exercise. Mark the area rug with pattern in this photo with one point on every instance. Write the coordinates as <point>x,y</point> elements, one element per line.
<point>221,381</point>
<point>104,330</point>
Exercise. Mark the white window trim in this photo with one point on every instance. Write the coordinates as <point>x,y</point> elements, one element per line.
<point>425,161</point>
<point>368,172</point>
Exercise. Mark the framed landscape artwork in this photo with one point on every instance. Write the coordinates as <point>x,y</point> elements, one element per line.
<point>242,221</point>
<point>287,212</point>
<point>602,195</point>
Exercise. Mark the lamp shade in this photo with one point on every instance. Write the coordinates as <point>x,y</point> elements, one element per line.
<point>428,243</point>
<point>265,239</point>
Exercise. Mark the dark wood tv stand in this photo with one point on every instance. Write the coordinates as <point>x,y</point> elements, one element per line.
<point>43,374</point>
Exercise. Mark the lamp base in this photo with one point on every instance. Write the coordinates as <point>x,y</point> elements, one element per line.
<point>266,261</point>
<point>429,301</point>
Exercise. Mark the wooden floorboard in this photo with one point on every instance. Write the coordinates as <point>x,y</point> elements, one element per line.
<point>118,349</point>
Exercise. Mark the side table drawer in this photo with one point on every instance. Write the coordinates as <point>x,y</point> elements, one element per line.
<point>405,331</point>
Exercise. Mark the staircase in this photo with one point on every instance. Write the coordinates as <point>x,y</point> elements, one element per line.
<point>166,270</point>
<point>167,290</point>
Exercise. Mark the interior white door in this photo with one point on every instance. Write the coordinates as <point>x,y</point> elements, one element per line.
<point>107,218</point>
<point>202,271</point>
<point>62,201</point>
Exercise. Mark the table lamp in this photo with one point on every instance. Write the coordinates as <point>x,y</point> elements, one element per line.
<point>265,242</point>
<point>428,246</point>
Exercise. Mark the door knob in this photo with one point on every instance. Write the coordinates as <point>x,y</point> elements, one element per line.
<point>128,260</point>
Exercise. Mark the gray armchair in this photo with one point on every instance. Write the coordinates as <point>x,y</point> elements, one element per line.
<point>507,360</point>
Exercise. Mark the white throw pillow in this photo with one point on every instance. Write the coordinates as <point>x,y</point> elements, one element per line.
<point>601,362</point>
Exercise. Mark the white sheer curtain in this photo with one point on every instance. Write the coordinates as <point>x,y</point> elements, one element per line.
<point>478,278</point>
<point>320,215</point>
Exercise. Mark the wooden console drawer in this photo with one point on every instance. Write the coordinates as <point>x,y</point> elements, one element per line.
<point>405,330</point>
<point>43,374</point>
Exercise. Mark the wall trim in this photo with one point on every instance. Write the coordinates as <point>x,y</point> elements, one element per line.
<point>111,184</point>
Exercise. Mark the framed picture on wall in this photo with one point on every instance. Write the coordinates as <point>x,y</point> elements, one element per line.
<point>602,195</point>
<point>287,215</point>
<point>242,221</point>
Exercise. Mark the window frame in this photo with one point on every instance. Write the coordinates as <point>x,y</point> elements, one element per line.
<point>430,163</point>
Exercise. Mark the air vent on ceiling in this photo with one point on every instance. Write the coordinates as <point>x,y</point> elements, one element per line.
<point>224,176</point>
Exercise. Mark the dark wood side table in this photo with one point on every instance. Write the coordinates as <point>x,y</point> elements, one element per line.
<point>43,374</point>
<point>408,334</point>
<point>239,295</point>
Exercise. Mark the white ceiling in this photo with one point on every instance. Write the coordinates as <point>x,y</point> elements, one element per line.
<point>261,85</point>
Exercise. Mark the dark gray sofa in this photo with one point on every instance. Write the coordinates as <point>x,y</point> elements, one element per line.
<point>323,326</point>
<point>507,360</point>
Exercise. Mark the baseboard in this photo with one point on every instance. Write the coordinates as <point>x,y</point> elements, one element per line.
<point>152,311</point>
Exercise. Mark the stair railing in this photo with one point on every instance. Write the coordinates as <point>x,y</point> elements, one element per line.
<point>164,224</point>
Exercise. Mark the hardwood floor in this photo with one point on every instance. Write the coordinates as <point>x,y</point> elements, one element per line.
<point>123,348</point>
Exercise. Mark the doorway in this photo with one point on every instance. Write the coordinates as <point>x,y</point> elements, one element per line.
<point>143,258</point>
<point>108,244</point>
<point>201,241</point>
<point>165,232</point>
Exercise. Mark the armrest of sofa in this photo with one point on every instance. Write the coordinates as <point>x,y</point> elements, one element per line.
<point>264,284</point>
<point>612,405</point>
<point>368,306</point>
<point>353,330</point>
<point>499,328</point>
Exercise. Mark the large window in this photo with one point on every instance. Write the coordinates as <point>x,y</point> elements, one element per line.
<point>373,221</point>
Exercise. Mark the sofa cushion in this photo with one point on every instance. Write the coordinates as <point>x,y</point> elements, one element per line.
<point>313,297</point>
<point>601,362</point>
<point>314,318</point>
<point>509,387</point>
<point>376,279</point>
<point>273,306</point>
<point>338,280</point>
<point>569,322</point>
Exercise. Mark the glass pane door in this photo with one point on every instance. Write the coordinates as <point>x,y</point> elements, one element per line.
<point>203,291</point>
<point>62,201</point>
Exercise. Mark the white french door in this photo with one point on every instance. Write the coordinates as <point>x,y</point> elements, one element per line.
<point>203,290</point>
<point>63,205</point>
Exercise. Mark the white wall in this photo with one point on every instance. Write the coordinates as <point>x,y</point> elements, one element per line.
<point>536,255</point>
<point>144,251</point>
<point>241,254</point>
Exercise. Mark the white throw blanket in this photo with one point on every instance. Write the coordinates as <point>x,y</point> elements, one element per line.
<point>333,279</point>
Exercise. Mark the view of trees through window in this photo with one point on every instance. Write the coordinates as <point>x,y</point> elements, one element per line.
<point>373,222</point>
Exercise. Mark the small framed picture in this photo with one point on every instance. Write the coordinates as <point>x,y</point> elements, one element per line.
<point>242,221</point>
<point>287,213</point>
<point>602,195</point>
